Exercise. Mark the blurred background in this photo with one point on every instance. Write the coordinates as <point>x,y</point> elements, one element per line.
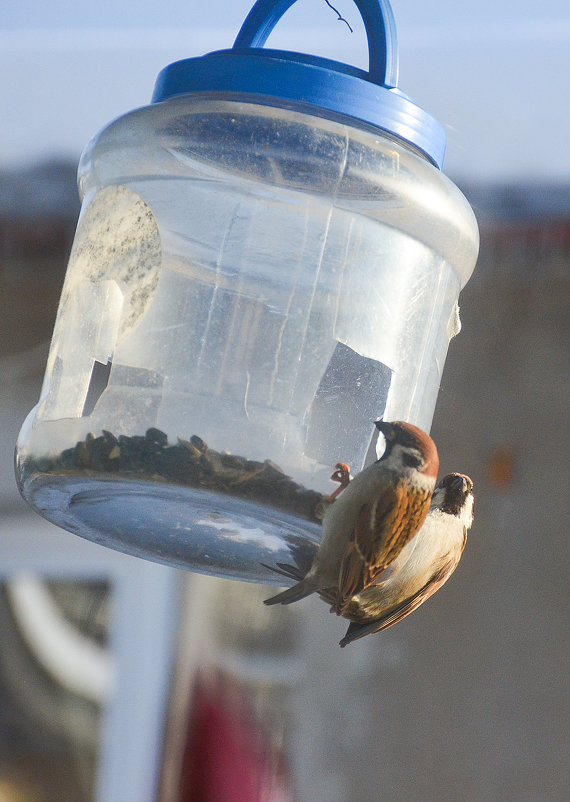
<point>125,680</point>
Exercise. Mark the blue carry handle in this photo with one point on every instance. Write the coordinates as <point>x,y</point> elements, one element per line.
<point>255,74</point>
<point>378,21</point>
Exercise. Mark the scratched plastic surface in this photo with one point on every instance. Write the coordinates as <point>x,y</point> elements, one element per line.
<point>269,281</point>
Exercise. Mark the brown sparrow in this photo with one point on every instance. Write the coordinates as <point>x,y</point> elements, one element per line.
<point>421,568</point>
<point>369,523</point>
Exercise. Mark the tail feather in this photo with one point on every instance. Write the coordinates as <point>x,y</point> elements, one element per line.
<point>356,631</point>
<point>297,592</point>
<point>285,569</point>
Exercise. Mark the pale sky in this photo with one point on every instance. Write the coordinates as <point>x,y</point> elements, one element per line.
<point>493,72</point>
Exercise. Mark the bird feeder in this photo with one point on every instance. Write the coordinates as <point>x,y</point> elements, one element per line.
<point>268,259</point>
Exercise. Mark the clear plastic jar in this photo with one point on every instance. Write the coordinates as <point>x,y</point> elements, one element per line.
<point>250,287</point>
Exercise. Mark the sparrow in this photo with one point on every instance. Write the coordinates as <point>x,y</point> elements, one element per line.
<point>421,568</point>
<point>369,523</point>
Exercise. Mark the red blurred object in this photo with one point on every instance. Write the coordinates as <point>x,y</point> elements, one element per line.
<point>228,756</point>
<point>500,467</point>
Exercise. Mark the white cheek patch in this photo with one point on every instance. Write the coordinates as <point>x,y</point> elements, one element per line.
<point>380,445</point>
<point>467,512</point>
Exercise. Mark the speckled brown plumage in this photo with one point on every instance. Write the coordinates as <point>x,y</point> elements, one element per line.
<point>371,518</point>
<point>364,622</point>
<point>382,530</point>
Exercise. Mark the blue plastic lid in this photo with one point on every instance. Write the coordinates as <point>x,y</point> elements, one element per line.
<point>259,75</point>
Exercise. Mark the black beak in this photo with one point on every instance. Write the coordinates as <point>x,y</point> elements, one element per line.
<point>384,427</point>
<point>460,484</point>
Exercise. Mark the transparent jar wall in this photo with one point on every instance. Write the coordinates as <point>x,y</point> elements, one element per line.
<point>267,280</point>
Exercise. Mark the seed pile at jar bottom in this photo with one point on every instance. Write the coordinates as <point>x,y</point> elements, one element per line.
<point>188,463</point>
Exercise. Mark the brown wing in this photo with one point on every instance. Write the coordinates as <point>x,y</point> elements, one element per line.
<point>394,614</point>
<point>382,530</point>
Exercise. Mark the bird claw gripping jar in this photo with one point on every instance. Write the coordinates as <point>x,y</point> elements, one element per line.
<point>268,259</point>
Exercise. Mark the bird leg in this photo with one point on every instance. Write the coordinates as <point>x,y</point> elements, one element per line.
<point>341,474</point>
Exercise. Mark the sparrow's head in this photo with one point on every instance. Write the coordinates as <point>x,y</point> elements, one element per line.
<point>409,447</point>
<point>454,494</point>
